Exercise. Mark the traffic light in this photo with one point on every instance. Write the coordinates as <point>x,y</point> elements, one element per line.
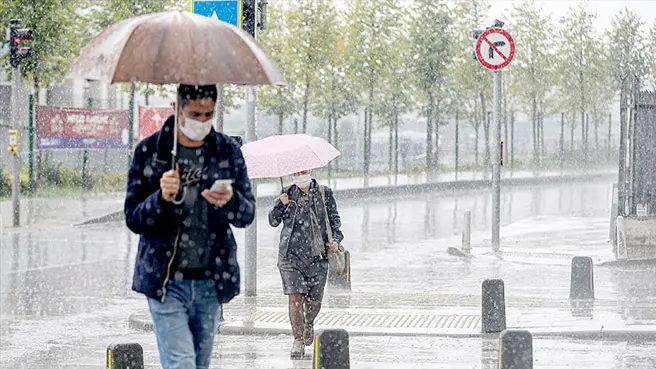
<point>249,13</point>
<point>254,14</point>
<point>17,51</point>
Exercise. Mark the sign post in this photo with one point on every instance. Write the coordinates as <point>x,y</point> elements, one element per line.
<point>495,49</point>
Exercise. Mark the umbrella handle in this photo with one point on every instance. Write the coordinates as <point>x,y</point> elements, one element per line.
<point>178,202</point>
<point>281,184</point>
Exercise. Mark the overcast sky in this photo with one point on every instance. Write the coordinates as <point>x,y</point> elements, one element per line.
<point>605,9</point>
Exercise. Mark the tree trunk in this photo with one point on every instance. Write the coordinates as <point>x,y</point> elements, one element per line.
<point>336,142</point>
<point>536,160</point>
<point>429,132</point>
<point>486,131</point>
<point>583,138</point>
<point>571,134</point>
<point>476,138</point>
<point>504,154</point>
<point>486,128</point>
<point>295,125</point>
<point>512,140</point>
<point>436,153</point>
<point>146,95</point>
<point>561,157</point>
<point>457,145</point>
<point>396,143</point>
<point>541,121</point>
<point>368,129</point>
<point>610,124</point>
<point>306,102</point>
<point>596,130</point>
<point>390,157</point>
<point>281,121</point>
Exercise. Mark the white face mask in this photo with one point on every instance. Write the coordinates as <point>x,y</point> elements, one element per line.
<point>196,130</point>
<point>303,180</point>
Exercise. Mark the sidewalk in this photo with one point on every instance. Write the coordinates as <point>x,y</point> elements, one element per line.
<point>534,264</point>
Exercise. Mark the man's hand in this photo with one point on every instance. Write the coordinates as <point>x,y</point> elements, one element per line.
<point>332,246</point>
<point>284,198</point>
<point>220,197</point>
<point>170,183</point>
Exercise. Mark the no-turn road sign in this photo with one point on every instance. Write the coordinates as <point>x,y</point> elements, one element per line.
<point>495,49</point>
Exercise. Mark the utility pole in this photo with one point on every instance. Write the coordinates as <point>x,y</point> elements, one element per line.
<point>495,49</point>
<point>250,24</point>
<point>16,54</point>
<point>496,167</point>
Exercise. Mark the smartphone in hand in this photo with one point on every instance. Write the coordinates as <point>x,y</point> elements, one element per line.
<point>220,184</point>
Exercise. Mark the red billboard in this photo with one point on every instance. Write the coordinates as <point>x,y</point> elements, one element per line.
<point>151,119</point>
<point>73,128</point>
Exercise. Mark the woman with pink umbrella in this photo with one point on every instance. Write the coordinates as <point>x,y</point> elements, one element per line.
<point>311,229</point>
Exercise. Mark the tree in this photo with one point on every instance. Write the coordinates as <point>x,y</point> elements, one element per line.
<point>432,50</point>
<point>581,66</point>
<point>396,95</point>
<point>534,66</point>
<point>630,54</point>
<point>278,101</point>
<point>371,27</point>
<point>57,37</point>
<point>338,96</point>
<point>652,53</point>
<point>471,81</point>
<point>312,22</point>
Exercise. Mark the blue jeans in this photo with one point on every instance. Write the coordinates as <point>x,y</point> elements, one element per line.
<point>186,323</point>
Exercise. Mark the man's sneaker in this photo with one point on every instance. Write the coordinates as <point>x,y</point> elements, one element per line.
<point>298,349</point>
<point>308,334</point>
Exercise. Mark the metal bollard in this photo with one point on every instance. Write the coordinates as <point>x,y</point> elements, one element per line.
<point>582,280</point>
<point>125,356</point>
<point>331,350</point>
<point>515,350</point>
<point>466,233</point>
<point>493,306</point>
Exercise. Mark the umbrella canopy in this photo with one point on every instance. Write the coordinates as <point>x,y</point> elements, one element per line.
<point>176,47</point>
<point>278,156</point>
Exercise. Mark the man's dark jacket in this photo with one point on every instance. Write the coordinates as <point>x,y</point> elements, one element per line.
<point>159,221</point>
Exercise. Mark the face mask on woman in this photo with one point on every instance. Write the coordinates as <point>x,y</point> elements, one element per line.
<point>302,180</point>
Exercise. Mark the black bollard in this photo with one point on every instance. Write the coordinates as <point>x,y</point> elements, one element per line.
<point>515,350</point>
<point>582,280</point>
<point>331,350</point>
<point>125,356</point>
<point>493,306</point>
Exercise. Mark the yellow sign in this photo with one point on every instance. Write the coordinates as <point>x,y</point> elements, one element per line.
<point>13,141</point>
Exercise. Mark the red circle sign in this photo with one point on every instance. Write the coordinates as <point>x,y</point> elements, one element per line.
<point>499,49</point>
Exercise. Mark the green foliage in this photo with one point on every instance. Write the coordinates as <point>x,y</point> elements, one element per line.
<point>468,77</point>
<point>278,101</point>
<point>58,35</point>
<point>630,51</point>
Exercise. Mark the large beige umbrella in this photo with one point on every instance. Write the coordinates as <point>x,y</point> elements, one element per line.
<point>176,47</point>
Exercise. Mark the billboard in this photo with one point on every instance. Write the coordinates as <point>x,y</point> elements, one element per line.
<point>151,119</point>
<point>73,128</point>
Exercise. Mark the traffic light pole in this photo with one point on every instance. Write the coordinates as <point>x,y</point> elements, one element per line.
<point>15,180</point>
<point>496,167</point>
<point>251,135</point>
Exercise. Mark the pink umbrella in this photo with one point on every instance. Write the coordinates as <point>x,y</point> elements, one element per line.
<point>278,156</point>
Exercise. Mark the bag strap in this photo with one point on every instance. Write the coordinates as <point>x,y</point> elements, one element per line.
<point>322,191</point>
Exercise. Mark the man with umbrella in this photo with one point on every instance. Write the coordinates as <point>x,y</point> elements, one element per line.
<point>187,259</point>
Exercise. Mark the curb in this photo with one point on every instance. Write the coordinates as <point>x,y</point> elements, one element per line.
<point>414,189</point>
<point>140,321</point>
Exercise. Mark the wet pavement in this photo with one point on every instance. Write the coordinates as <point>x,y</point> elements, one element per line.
<point>65,291</point>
